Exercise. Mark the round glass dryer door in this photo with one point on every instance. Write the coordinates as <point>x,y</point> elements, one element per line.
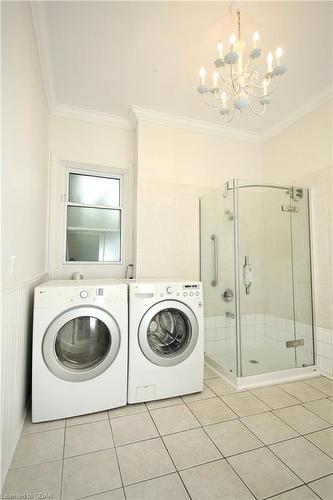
<point>81,343</point>
<point>168,333</point>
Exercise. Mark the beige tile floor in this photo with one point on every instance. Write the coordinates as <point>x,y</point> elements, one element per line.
<point>271,442</point>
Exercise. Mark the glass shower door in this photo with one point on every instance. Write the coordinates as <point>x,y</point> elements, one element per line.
<point>266,289</point>
<point>301,254</point>
<point>218,277</point>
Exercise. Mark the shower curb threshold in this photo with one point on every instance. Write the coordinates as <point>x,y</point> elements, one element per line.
<point>278,377</point>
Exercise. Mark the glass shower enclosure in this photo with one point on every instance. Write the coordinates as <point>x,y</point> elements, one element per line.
<point>256,270</point>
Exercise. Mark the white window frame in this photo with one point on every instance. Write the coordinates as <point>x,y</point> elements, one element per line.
<point>110,174</point>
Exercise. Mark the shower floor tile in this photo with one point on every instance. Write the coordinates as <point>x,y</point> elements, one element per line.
<point>262,357</point>
<point>216,444</point>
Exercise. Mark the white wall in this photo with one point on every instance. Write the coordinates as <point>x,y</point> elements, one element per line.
<point>301,155</point>
<point>91,146</point>
<point>24,202</point>
<point>174,168</point>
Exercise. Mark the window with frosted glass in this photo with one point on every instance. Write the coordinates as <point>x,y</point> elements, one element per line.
<point>94,216</point>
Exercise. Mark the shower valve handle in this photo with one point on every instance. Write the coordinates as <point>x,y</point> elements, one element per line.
<point>247,275</point>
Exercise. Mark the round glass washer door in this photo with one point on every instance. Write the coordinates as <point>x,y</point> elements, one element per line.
<point>168,333</point>
<point>81,343</point>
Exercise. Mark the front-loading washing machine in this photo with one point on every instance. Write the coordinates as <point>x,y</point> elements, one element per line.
<point>166,339</point>
<point>80,348</point>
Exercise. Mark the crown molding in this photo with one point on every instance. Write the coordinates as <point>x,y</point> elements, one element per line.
<point>137,113</point>
<point>42,42</point>
<point>140,113</point>
<point>87,115</point>
<point>299,113</point>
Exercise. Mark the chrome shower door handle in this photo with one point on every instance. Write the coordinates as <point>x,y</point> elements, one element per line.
<point>247,275</point>
<point>215,260</point>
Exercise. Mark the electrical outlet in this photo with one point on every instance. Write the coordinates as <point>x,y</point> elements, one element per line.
<point>12,264</point>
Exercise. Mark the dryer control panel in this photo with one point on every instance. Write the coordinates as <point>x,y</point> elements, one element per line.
<point>167,290</point>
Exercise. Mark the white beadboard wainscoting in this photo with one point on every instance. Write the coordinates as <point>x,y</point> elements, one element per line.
<point>17,313</point>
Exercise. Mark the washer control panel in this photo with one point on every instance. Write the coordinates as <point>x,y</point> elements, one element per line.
<point>83,294</point>
<point>86,293</point>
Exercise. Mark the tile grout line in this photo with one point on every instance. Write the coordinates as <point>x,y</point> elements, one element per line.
<point>286,491</point>
<point>300,433</point>
<point>117,459</point>
<point>223,456</point>
<point>62,464</point>
<point>275,442</point>
<point>321,376</point>
<point>166,448</point>
<point>296,381</point>
<point>316,414</point>
<point>266,446</point>
<point>309,485</point>
<point>183,402</point>
<point>314,444</point>
<point>200,426</point>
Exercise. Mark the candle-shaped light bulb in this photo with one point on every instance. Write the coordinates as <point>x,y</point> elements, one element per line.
<point>202,74</point>
<point>215,77</point>
<point>265,84</point>
<point>279,54</point>
<point>269,62</point>
<point>255,39</point>
<point>220,49</point>
<point>224,98</point>
<point>232,42</point>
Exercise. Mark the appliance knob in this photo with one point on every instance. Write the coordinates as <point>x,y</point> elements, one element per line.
<point>83,294</point>
<point>169,289</point>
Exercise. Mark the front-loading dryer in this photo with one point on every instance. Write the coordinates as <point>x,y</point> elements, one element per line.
<point>166,339</point>
<point>80,348</point>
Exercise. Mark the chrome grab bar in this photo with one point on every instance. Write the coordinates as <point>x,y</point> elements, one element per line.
<point>215,260</point>
<point>247,275</point>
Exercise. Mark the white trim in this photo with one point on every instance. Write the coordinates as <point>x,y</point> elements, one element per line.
<point>87,115</point>
<point>140,113</point>
<point>39,23</point>
<point>280,377</point>
<point>23,284</point>
<point>263,379</point>
<point>299,113</point>
<point>137,113</point>
<point>93,172</point>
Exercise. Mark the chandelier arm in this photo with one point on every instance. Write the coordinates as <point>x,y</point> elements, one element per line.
<point>211,105</point>
<point>232,79</point>
<point>228,120</point>
<point>255,86</point>
<point>225,80</point>
<point>251,73</point>
<point>250,94</point>
<point>257,112</point>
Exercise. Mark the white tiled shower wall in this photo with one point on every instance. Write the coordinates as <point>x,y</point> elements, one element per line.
<point>325,350</point>
<point>261,327</point>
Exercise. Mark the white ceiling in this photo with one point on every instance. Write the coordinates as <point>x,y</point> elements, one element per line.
<point>102,55</point>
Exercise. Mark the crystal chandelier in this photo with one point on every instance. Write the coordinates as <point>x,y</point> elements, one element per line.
<point>237,83</point>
